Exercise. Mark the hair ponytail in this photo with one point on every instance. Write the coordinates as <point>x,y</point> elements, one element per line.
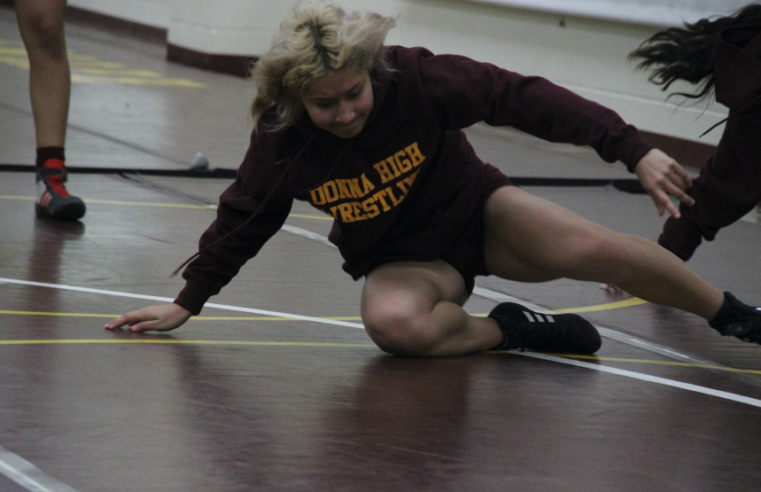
<point>687,53</point>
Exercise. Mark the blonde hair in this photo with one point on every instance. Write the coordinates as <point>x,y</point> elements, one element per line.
<point>315,41</point>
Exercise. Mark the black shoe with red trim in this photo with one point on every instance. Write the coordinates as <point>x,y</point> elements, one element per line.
<point>525,329</point>
<point>738,320</point>
<point>53,200</point>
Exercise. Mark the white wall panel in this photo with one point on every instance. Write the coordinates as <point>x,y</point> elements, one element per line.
<point>226,27</point>
<point>585,53</point>
<point>154,13</point>
<point>651,12</point>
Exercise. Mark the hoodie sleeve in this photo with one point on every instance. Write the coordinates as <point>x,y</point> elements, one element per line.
<point>239,231</point>
<point>463,92</point>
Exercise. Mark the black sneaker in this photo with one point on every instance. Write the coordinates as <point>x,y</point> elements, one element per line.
<point>525,329</point>
<point>52,198</point>
<point>738,320</point>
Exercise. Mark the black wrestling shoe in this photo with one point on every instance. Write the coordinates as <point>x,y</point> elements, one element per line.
<point>525,329</point>
<point>738,320</point>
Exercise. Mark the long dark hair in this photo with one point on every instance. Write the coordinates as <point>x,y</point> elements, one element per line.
<point>687,54</point>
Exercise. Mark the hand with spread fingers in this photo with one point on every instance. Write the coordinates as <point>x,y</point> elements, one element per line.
<point>662,176</point>
<point>154,318</point>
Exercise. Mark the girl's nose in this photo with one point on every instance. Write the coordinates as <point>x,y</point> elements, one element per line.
<point>345,113</point>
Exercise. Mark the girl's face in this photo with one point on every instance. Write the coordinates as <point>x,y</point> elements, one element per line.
<point>341,102</point>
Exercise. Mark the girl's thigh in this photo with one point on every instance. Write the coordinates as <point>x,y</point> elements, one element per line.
<point>531,239</point>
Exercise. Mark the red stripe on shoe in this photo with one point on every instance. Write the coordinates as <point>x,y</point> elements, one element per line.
<point>54,183</point>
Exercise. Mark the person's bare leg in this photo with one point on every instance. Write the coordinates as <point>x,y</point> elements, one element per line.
<point>42,30</point>
<point>531,239</point>
<point>415,309</point>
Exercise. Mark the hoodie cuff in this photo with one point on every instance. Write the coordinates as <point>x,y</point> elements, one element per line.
<point>636,148</point>
<point>637,156</point>
<point>192,297</point>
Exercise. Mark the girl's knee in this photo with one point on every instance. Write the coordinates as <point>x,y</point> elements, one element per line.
<point>397,332</point>
<point>607,248</point>
<point>45,31</point>
<point>616,254</point>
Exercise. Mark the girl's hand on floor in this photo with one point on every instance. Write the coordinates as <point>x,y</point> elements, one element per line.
<point>154,318</point>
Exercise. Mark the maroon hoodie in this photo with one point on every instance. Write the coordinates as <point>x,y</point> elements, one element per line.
<point>737,67</point>
<point>408,179</point>
<point>729,185</point>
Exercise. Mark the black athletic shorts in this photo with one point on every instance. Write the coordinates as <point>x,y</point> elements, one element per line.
<point>466,251</point>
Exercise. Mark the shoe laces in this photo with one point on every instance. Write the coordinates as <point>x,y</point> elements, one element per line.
<point>53,174</point>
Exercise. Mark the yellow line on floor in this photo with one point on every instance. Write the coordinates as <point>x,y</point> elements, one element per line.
<point>150,204</point>
<point>72,315</point>
<point>194,318</point>
<point>159,341</point>
<point>16,197</point>
<point>160,205</point>
<point>89,69</point>
<point>635,301</point>
<point>117,202</point>
<point>659,362</point>
<point>599,307</point>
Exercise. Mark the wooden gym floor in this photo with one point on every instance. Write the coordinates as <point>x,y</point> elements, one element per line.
<point>276,386</point>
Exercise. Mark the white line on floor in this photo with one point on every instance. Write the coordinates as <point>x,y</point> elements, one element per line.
<point>169,299</point>
<point>644,377</point>
<point>27,475</point>
<point>650,379</point>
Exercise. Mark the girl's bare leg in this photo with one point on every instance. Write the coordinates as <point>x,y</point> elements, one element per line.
<point>531,239</point>
<point>42,30</point>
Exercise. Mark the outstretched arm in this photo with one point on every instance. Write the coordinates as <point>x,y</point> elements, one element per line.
<point>662,176</point>
<point>154,318</point>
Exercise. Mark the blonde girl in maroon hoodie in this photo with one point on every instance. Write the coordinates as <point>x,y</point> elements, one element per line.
<point>372,135</point>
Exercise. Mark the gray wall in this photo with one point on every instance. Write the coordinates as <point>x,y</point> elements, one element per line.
<point>581,44</point>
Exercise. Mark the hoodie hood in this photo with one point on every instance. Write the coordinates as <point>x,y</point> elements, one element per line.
<point>737,66</point>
